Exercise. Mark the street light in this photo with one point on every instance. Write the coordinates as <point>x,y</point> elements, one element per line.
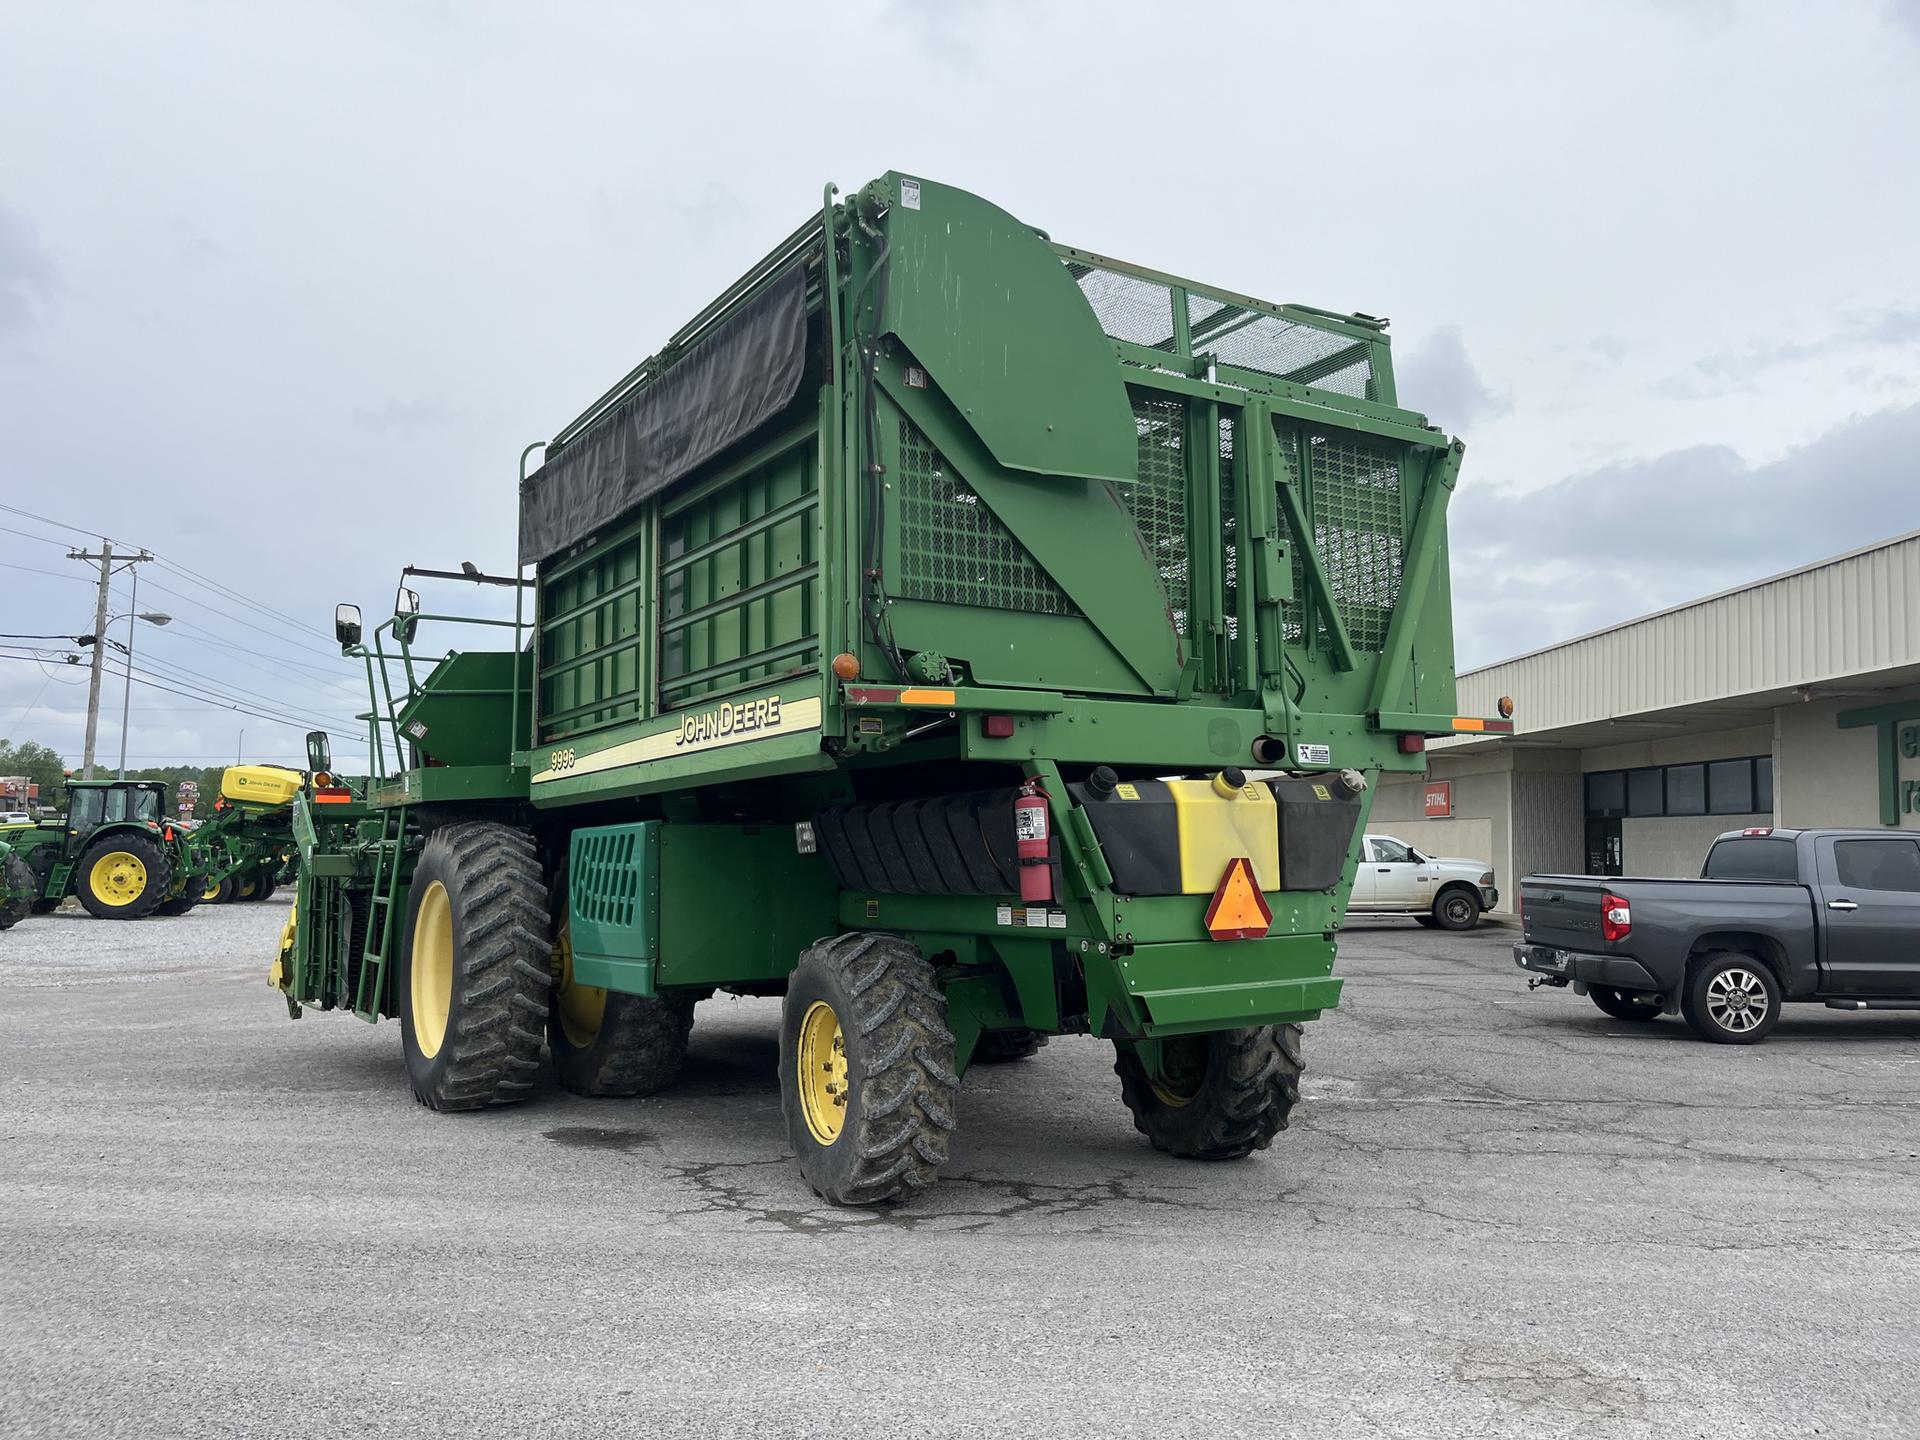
<point>152,617</point>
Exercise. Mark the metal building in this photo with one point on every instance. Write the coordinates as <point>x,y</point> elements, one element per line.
<point>1791,701</point>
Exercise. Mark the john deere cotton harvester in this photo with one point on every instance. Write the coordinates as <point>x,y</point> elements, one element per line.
<point>908,638</point>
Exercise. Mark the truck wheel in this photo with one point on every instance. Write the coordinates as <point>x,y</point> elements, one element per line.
<point>474,983</point>
<point>1217,1096</point>
<point>1456,908</point>
<point>23,886</point>
<point>607,1043</point>
<point>867,1076</point>
<point>1624,1004</point>
<point>123,877</point>
<point>1731,999</point>
<point>997,1047</point>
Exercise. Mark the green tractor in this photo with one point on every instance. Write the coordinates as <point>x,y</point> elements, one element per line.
<point>116,850</point>
<point>17,890</point>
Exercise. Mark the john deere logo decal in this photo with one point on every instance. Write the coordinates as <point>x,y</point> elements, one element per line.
<point>696,730</point>
<point>725,724</point>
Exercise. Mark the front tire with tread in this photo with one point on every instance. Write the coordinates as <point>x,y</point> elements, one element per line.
<point>24,886</point>
<point>489,1051</point>
<point>1456,908</point>
<point>901,1081</point>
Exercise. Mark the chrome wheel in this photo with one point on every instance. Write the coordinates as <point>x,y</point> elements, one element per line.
<point>1737,1000</point>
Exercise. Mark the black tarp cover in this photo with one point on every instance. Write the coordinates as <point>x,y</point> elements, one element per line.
<point>728,385</point>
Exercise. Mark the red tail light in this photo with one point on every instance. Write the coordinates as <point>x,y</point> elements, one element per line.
<point>1616,918</point>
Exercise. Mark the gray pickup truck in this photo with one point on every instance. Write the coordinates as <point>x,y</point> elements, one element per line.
<point>1777,916</point>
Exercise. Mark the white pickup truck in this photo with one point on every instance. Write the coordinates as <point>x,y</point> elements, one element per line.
<point>1396,879</point>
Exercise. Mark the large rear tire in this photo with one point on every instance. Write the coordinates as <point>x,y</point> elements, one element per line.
<point>123,877</point>
<point>867,1077</point>
<point>1218,1096</point>
<point>474,984</point>
<point>23,885</point>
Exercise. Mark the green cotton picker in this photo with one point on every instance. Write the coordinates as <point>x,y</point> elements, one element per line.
<point>966,637</point>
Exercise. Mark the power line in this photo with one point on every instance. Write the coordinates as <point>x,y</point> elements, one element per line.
<point>220,705</point>
<point>232,594</point>
<point>238,620</point>
<point>187,676</point>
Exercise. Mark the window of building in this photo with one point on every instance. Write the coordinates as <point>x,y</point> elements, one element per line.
<point>1730,787</point>
<point>1763,785</point>
<point>1606,793</point>
<point>1646,792</point>
<point>1878,864</point>
<point>1686,790</point>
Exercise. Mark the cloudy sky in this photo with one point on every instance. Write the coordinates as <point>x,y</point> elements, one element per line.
<point>284,288</point>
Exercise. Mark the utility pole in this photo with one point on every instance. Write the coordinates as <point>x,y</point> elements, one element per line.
<point>105,557</point>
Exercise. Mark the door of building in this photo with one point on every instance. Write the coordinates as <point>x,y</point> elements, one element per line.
<point>1603,847</point>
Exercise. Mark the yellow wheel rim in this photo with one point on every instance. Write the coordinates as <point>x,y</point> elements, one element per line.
<point>432,969</point>
<point>822,1072</point>
<point>117,878</point>
<point>581,1007</point>
<point>1183,1070</point>
<point>212,890</point>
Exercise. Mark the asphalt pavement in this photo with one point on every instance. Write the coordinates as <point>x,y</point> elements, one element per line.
<point>1497,1213</point>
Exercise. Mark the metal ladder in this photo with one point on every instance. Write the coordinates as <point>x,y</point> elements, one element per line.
<point>388,855</point>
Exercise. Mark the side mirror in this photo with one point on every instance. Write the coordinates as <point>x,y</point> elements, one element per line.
<point>406,607</point>
<point>319,751</point>
<point>346,625</point>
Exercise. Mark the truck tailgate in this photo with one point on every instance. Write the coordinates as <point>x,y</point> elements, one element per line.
<point>1562,911</point>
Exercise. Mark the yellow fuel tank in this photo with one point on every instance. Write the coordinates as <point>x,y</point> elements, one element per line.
<point>260,787</point>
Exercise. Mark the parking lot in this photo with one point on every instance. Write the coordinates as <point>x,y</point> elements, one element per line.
<point>1496,1213</point>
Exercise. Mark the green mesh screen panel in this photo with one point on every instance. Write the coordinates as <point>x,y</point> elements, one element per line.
<point>1158,502</point>
<point>953,549</point>
<point>1358,526</point>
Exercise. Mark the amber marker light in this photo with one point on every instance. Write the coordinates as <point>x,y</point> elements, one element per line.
<point>846,665</point>
<point>1505,707</point>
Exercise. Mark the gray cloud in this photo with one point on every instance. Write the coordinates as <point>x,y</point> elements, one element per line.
<point>1438,378</point>
<point>1893,325</point>
<point>1616,542</point>
<point>27,276</point>
<point>1906,15</point>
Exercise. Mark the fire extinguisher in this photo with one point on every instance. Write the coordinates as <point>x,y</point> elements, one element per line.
<point>1030,843</point>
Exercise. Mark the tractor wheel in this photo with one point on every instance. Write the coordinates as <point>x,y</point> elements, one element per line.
<point>263,887</point>
<point>211,892</point>
<point>997,1047</point>
<point>44,907</point>
<point>1217,1096</point>
<point>180,904</point>
<point>613,1044</point>
<point>246,886</point>
<point>20,883</point>
<point>123,877</point>
<point>867,1076</point>
<point>474,982</point>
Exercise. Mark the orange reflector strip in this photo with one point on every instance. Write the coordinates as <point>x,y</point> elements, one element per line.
<point>1239,911</point>
<point>1463,722</point>
<point>332,797</point>
<point>926,697</point>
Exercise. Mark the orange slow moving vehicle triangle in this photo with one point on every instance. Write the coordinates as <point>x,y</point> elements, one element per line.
<point>1239,911</point>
